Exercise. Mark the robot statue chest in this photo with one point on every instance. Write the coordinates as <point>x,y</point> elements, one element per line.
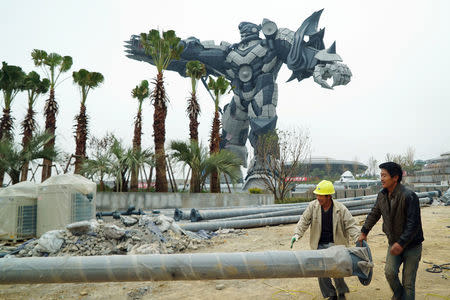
<point>245,59</point>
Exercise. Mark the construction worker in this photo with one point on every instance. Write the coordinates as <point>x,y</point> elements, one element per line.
<point>331,224</point>
<point>402,224</point>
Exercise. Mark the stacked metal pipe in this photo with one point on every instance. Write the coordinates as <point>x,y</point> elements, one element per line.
<point>257,216</point>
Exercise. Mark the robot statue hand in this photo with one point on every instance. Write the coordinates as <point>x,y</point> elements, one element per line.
<point>339,72</point>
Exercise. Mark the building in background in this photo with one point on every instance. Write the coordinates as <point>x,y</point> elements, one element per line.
<point>436,171</point>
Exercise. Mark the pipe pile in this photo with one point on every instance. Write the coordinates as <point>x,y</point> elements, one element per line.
<point>277,217</point>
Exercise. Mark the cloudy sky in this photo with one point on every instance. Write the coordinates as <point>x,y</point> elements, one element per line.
<point>398,52</point>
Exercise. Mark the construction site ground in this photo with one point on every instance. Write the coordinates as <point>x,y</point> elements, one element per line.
<point>436,226</point>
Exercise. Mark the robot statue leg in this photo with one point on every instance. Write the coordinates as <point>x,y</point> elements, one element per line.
<point>235,125</point>
<point>263,119</point>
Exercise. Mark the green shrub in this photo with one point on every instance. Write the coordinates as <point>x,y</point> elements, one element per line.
<point>292,200</point>
<point>255,190</point>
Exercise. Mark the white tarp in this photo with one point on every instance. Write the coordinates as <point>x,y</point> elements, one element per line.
<point>24,189</point>
<point>55,201</point>
<point>23,193</point>
<point>76,183</point>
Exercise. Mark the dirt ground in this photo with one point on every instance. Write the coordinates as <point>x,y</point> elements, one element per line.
<point>436,226</point>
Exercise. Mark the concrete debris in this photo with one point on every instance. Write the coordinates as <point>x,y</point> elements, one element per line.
<point>138,293</point>
<point>144,249</point>
<point>128,221</point>
<point>113,231</point>
<point>148,235</point>
<point>50,242</point>
<point>82,227</point>
<point>230,231</point>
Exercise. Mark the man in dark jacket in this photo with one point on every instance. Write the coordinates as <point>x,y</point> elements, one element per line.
<point>402,224</point>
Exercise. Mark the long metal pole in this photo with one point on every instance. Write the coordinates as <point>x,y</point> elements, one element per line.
<point>351,205</point>
<point>247,223</point>
<point>336,261</point>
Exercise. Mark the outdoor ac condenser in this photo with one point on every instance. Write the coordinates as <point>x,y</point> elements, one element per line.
<point>18,218</point>
<point>18,211</point>
<point>63,200</point>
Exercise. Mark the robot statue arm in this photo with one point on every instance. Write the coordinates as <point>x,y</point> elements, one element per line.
<point>305,55</point>
<point>209,54</point>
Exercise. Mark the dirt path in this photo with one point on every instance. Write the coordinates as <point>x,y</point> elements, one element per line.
<point>436,222</point>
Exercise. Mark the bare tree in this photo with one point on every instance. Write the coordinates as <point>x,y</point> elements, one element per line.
<point>285,156</point>
<point>408,162</point>
<point>373,166</point>
<point>328,167</point>
<point>397,158</point>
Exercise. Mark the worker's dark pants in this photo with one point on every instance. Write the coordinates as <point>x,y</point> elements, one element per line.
<point>410,259</point>
<point>326,287</point>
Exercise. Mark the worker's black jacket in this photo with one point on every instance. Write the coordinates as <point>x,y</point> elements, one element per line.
<point>401,216</point>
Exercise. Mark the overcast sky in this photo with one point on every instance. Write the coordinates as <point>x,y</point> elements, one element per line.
<point>398,52</point>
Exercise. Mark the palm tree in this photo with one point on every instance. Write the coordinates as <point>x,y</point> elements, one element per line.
<point>53,65</point>
<point>11,82</point>
<point>139,92</point>
<point>163,51</point>
<point>12,158</point>
<point>202,165</point>
<point>136,160</point>
<point>86,81</point>
<point>34,87</point>
<point>99,166</point>
<point>219,87</point>
<point>119,165</point>
<point>195,70</point>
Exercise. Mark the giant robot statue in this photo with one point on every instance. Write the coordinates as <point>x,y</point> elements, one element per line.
<point>252,66</point>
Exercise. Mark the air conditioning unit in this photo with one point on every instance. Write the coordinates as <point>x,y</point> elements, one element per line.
<point>64,199</point>
<point>18,211</point>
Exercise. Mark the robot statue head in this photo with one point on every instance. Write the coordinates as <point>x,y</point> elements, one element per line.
<point>249,31</point>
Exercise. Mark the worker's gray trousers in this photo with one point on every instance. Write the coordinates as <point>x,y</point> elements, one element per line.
<point>326,287</point>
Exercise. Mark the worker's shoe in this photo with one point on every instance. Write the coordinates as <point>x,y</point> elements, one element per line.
<point>338,297</point>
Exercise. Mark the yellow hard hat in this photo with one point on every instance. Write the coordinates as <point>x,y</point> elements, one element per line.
<point>324,187</point>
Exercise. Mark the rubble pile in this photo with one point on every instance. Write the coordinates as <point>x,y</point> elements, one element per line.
<point>135,234</point>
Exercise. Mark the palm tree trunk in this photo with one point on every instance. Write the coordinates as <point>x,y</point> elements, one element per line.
<point>124,182</point>
<point>195,186</point>
<point>6,125</point>
<point>28,126</point>
<point>174,187</point>
<point>214,148</point>
<point>102,184</point>
<point>136,147</point>
<point>80,139</point>
<point>159,133</point>
<point>193,111</point>
<point>15,176</point>
<point>51,108</point>
<point>228,185</point>
<point>149,181</point>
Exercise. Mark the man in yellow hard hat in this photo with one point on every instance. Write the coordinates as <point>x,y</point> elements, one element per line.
<point>331,224</point>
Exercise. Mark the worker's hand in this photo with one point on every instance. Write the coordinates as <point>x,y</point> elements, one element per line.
<point>294,239</point>
<point>362,237</point>
<point>396,249</point>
